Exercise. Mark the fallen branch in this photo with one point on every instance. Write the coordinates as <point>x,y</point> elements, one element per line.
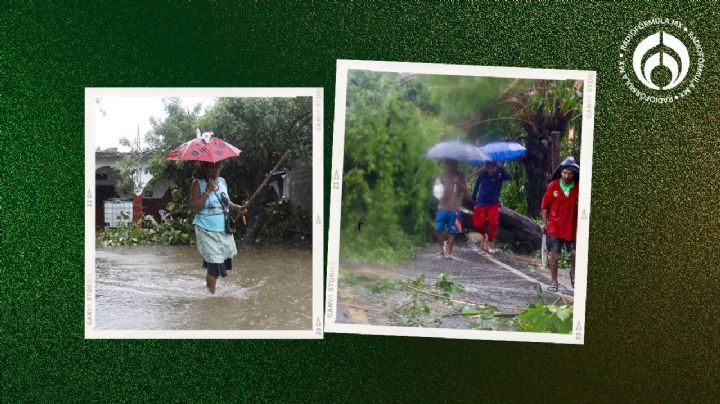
<point>262,185</point>
<point>361,307</point>
<point>505,315</point>
<point>509,315</point>
<point>453,300</point>
<point>405,304</point>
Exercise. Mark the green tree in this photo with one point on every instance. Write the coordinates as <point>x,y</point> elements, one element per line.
<point>387,181</point>
<point>177,128</point>
<point>546,111</point>
<point>133,165</point>
<point>263,128</point>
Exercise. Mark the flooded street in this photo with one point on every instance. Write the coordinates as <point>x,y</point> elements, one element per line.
<point>163,288</point>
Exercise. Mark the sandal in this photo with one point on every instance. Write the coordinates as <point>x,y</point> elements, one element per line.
<point>553,287</point>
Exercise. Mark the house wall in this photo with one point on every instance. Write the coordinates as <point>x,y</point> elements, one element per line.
<point>107,176</point>
<point>300,189</point>
<point>152,206</point>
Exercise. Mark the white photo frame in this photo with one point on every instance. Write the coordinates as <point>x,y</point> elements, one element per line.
<point>314,329</point>
<point>577,335</point>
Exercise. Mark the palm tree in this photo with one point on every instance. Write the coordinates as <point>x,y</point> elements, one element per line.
<point>546,111</point>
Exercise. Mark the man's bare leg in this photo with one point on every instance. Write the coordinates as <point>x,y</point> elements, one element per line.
<point>211,281</point>
<point>451,241</point>
<point>490,246</point>
<point>553,266</point>
<point>440,236</point>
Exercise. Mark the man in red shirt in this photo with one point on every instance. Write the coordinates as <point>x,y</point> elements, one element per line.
<point>559,211</point>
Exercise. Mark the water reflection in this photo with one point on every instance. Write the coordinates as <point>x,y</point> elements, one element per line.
<point>163,288</point>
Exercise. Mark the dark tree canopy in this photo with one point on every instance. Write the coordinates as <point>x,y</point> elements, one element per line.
<point>263,128</point>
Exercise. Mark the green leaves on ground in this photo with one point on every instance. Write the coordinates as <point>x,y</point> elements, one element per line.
<point>436,305</point>
<point>546,318</point>
<point>170,232</point>
<point>486,318</point>
<point>448,285</point>
<point>415,314</point>
<point>537,287</point>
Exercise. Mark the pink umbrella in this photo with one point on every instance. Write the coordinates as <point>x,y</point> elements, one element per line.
<point>204,148</point>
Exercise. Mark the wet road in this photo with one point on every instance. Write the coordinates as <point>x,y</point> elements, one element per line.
<point>484,282</point>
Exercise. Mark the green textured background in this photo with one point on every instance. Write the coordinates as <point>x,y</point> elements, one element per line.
<point>652,304</point>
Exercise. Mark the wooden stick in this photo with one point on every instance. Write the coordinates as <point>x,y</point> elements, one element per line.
<point>264,183</point>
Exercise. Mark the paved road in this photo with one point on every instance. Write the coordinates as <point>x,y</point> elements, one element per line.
<point>501,280</point>
<point>485,281</point>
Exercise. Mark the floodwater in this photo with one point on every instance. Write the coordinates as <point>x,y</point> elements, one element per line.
<point>163,288</point>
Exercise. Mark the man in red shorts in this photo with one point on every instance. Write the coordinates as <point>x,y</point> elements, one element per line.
<point>559,211</point>
<point>487,202</point>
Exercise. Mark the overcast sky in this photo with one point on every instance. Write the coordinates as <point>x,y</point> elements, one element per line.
<point>118,117</point>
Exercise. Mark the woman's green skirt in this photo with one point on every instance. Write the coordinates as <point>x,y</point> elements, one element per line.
<point>215,247</point>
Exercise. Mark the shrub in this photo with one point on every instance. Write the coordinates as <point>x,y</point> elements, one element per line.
<point>284,222</point>
<point>170,232</point>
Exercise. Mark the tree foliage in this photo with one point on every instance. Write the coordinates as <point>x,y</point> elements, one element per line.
<point>387,181</point>
<point>133,165</point>
<point>546,111</point>
<point>263,128</point>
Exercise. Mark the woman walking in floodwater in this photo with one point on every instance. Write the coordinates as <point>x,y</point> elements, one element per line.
<point>209,199</point>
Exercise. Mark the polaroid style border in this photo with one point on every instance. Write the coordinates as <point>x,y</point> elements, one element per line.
<point>315,329</point>
<point>589,78</point>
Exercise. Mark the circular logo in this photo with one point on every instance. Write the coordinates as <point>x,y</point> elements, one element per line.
<point>661,60</point>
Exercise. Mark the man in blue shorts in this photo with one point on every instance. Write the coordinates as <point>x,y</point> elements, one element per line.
<point>454,186</point>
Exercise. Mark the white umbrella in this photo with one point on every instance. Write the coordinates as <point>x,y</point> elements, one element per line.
<point>457,150</point>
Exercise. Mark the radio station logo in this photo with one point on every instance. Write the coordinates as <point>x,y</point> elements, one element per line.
<point>661,60</point>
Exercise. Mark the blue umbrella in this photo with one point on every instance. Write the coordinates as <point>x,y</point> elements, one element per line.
<point>500,151</point>
<point>457,150</point>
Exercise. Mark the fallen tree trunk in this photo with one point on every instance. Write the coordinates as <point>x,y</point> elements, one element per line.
<point>519,231</point>
<point>516,230</point>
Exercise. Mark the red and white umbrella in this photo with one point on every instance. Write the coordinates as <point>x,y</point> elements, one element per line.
<point>204,148</point>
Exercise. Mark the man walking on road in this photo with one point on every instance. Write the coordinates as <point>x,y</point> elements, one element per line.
<point>559,211</point>
<point>486,194</point>
<point>454,186</point>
